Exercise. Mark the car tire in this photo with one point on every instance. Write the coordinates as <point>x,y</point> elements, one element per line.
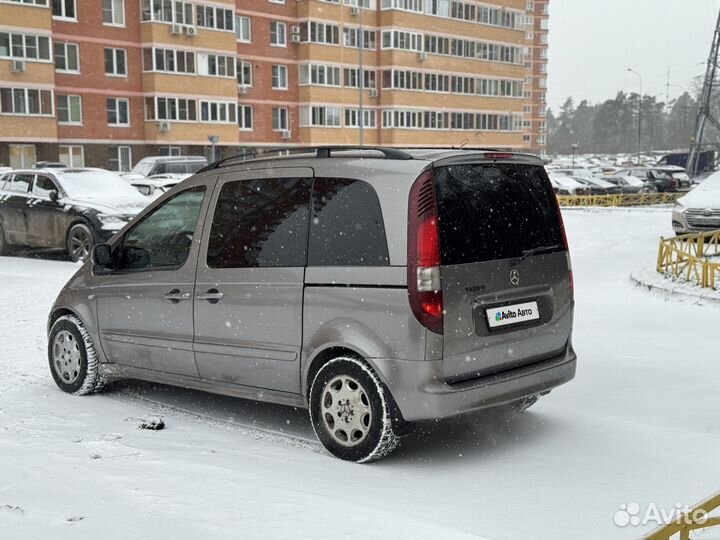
<point>351,411</point>
<point>73,360</point>
<point>80,242</point>
<point>4,246</point>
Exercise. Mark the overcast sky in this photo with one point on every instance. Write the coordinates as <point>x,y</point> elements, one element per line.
<point>593,42</point>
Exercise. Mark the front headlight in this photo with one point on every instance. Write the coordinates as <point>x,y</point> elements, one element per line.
<point>111,222</point>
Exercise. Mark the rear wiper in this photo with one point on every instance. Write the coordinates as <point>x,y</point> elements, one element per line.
<point>534,251</point>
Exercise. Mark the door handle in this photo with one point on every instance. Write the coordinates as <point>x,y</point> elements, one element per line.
<point>212,295</point>
<point>175,296</point>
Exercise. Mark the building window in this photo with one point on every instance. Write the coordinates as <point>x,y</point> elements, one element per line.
<point>243,28</point>
<point>216,18</point>
<point>31,2</point>
<point>71,155</point>
<point>113,12</point>
<point>168,60</point>
<point>351,78</point>
<point>64,9</point>
<point>116,62</point>
<point>279,77</point>
<point>216,65</point>
<point>322,33</point>
<point>120,158</point>
<point>320,116</point>
<point>24,46</point>
<point>178,109</point>
<point>278,34</point>
<point>280,119</point>
<point>118,112</point>
<point>219,112</point>
<point>244,73</point>
<point>352,116</point>
<point>22,156</point>
<point>318,74</point>
<point>26,101</point>
<point>69,109</point>
<point>245,117</point>
<point>67,57</point>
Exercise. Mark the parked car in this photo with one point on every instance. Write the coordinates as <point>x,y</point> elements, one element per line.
<point>565,185</point>
<point>662,182</point>
<point>678,173</point>
<point>179,166</point>
<point>373,287</point>
<point>49,165</point>
<point>699,210</point>
<point>597,186</point>
<point>155,186</point>
<point>67,209</point>
<point>630,184</point>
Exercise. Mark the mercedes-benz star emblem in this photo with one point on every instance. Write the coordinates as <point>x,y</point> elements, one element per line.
<point>515,277</point>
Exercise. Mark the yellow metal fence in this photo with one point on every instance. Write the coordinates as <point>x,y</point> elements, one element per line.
<point>696,518</point>
<point>688,257</point>
<point>628,199</point>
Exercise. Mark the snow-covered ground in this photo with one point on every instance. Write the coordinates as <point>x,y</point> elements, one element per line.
<point>641,423</point>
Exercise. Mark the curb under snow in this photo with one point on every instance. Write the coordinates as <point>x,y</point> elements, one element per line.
<point>667,287</point>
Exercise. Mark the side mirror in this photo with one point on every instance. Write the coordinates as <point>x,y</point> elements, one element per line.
<point>53,195</point>
<point>102,256</point>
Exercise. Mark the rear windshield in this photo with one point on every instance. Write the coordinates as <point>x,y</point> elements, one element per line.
<point>494,211</point>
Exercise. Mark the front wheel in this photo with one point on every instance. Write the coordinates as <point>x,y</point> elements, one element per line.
<point>80,242</point>
<point>74,362</point>
<point>350,411</point>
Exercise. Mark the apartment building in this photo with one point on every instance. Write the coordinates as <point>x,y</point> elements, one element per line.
<point>107,82</point>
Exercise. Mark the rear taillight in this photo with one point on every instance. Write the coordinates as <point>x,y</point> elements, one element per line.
<point>571,282</point>
<point>423,262</point>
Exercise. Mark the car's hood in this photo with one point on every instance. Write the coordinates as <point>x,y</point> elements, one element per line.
<point>706,195</point>
<point>116,206</point>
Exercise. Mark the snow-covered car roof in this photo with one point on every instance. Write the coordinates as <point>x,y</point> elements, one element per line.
<point>565,182</point>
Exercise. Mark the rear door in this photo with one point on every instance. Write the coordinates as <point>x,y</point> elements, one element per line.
<point>504,268</point>
<point>250,274</point>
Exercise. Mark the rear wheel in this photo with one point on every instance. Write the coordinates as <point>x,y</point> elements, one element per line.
<point>80,242</point>
<point>350,411</point>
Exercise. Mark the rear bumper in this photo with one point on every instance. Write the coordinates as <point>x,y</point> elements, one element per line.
<point>421,392</point>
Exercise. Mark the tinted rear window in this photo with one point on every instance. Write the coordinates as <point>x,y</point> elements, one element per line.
<point>496,211</point>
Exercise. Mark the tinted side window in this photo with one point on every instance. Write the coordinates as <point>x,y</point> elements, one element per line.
<point>164,237</point>
<point>347,225</point>
<point>21,183</point>
<point>43,186</point>
<point>260,223</point>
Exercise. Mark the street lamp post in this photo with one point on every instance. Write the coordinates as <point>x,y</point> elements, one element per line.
<point>214,139</point>
<point>639,113</point>
<point>361,75</point>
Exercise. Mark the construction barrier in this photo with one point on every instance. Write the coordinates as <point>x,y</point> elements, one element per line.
<point>627,199</point>
<point>693,519</point>
<point>687,257</point>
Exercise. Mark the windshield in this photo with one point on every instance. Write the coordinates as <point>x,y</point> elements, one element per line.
<point>494,211</point>
<point>97,184</point>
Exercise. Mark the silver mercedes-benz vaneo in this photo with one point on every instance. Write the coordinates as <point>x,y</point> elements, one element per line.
<point>375,287</point>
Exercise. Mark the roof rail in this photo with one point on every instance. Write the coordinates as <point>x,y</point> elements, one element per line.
<point>321,152</point>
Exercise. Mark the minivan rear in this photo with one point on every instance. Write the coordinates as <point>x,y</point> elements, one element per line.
<point>488,265</point>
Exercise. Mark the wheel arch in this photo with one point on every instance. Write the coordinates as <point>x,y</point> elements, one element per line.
<point>322,357</point>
